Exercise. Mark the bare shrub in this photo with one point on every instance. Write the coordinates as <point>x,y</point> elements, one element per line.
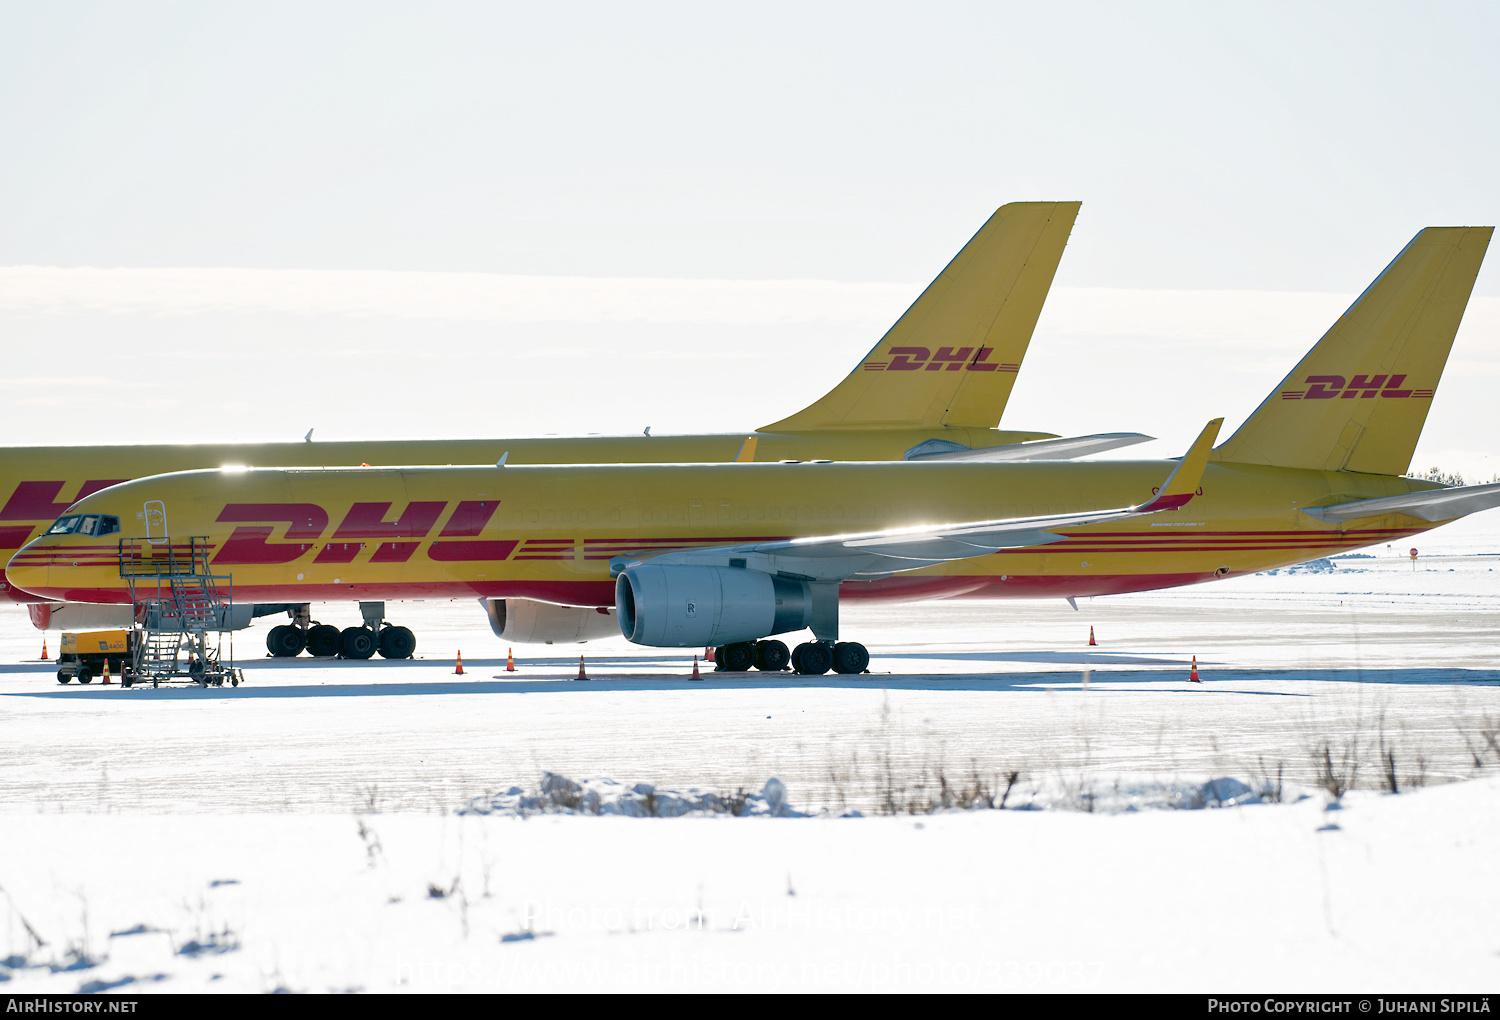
<point>1336,771</point>
<point>1386,755</point>
<point>1269,787</point>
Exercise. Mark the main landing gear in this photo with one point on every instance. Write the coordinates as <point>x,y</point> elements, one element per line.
<point>812,658</point>
<point>320,639</point>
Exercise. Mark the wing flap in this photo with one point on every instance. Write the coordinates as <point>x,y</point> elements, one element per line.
<point>1041,449</point>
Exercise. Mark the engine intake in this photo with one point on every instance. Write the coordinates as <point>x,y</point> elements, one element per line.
<point>684,606</point>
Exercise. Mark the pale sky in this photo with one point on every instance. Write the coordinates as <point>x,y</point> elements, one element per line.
<point>738,201</point>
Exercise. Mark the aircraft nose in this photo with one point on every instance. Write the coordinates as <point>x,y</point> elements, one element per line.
<point>30,569</point>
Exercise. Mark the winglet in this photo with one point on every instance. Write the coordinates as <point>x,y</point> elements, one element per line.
<point>1182,484</point>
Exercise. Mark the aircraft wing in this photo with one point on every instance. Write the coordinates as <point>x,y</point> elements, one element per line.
<point>876,554</point>
<point>1041,449</point>
<point>1429,505</point>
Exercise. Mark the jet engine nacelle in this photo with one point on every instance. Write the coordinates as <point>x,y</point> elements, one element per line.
<point>524,622</point>
<point>683,607</point>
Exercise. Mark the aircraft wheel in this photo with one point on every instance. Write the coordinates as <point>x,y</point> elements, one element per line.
<point>63,678</point>
<point>397,643</point>
<point>323,640</point>
<point>357,643</point>
<point>771,656</point>
<point>737,657</point>
<point>285,641</point>
<point>850,657</point>
<point>84,676</point>
<point>812,658</point>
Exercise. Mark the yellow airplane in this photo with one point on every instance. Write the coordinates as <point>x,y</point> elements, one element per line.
<point>935,385</point>
<point>733,553</point>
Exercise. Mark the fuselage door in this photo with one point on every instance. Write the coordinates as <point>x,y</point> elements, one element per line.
<point>156,522</point>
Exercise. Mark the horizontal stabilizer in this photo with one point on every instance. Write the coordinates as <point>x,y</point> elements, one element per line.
<point>1429,505</point>
<point>1041,449</point>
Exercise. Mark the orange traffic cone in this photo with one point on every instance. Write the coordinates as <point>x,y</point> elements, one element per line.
<point>1091,636</point>
<point>695,669</point>
<point>581,674</point>
<point>708,653</point>
<point>459,670</point>
<point>44,646</point>
<point>106,671</point>
<point>510,661</point>
<point>1193,676</point>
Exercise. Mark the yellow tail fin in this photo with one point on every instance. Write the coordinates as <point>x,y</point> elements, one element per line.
<point>952,358</point>
<point>1358,400</point>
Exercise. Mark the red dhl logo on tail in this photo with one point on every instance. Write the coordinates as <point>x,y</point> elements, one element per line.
<point>1326,387</point>
<point>911,359</point>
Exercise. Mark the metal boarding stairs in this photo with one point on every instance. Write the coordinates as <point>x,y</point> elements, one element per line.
<point>177,601</point>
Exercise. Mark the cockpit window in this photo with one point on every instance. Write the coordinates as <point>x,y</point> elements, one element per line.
<point>63,526</point>
<point>96,525</point>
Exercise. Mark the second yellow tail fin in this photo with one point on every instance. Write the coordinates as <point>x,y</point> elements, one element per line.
<point>1358,400</point>
<point>952,358</point>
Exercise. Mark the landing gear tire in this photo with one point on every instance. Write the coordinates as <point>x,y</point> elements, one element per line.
<point>397,643</point>
<point>357,643</point>
<point>285,641</point>
<point>850,657</point>
<point>323,641</point>
<point>771,656</point>
<point>736,658</point>
<point>84,676</point>
<point>812,658</point>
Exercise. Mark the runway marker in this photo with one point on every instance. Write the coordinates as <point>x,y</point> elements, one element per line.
<point>459,670</point>
<point>1193,676</point>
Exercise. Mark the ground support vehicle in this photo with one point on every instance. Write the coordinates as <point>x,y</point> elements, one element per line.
<point>84,656</point>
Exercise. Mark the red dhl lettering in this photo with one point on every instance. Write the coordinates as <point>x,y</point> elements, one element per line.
<point>367,520</point>
<point>1326,387</point>
<point>36,501</point>
<point>251,544</point>
<point>912,359</point>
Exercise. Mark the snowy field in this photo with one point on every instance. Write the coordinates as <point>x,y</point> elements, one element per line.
<point>333,825</point>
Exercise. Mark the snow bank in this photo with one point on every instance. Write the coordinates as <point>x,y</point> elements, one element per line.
<point>559,795</point>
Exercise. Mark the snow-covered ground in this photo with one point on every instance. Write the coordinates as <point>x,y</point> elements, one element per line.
<point>304,830</point>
